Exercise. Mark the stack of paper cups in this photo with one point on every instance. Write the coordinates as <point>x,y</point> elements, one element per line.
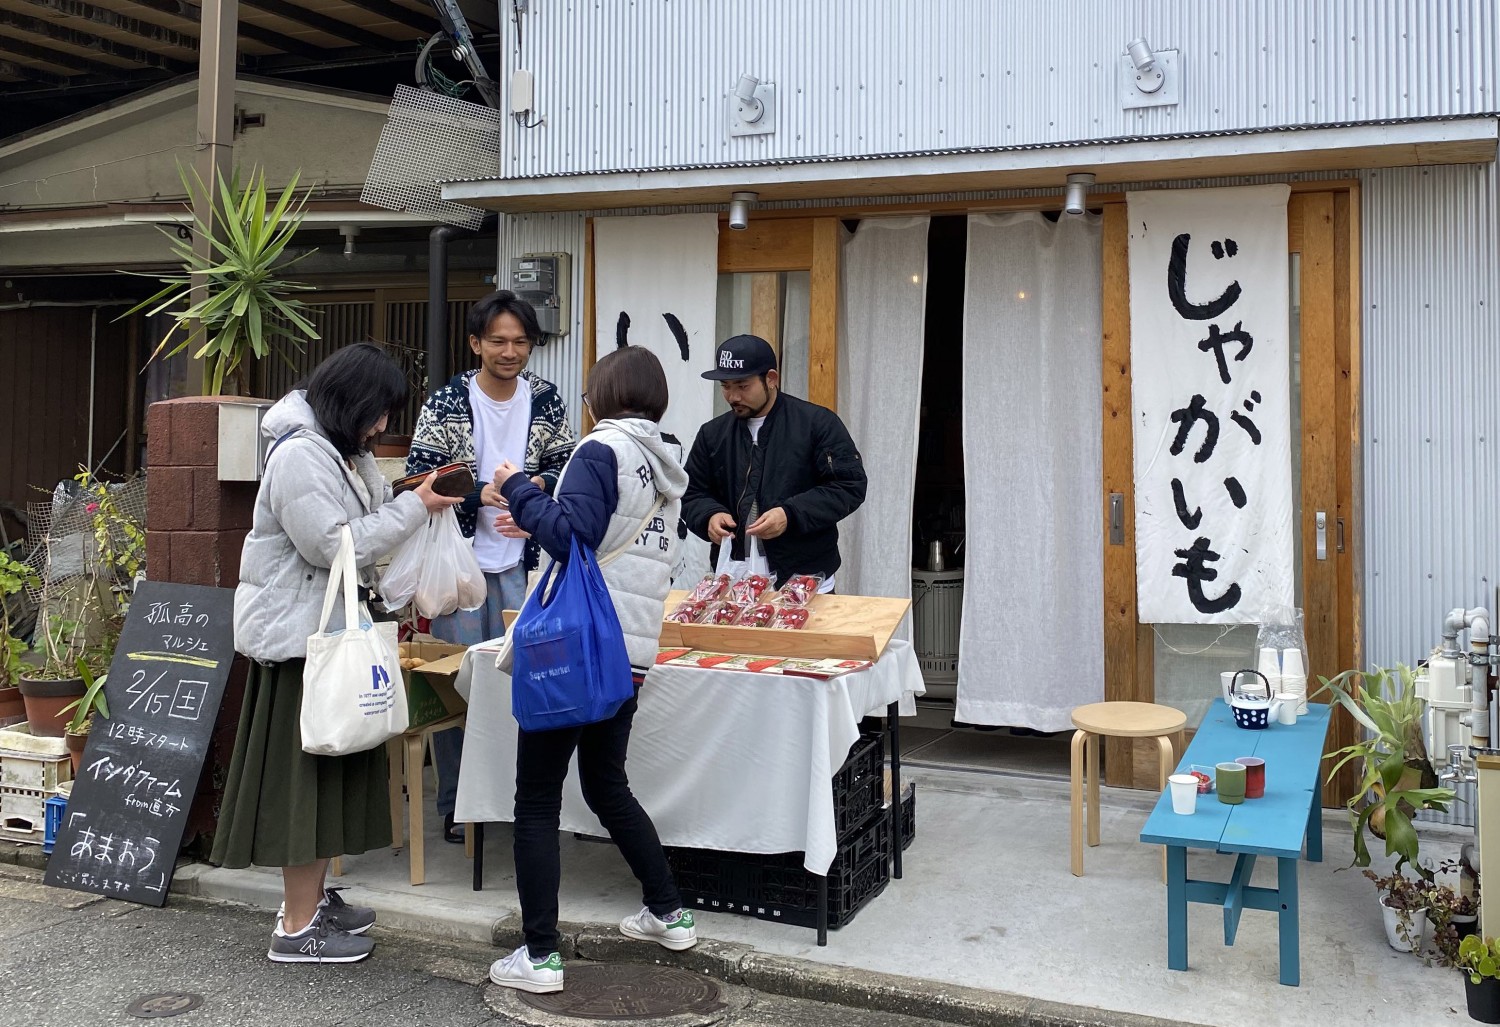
<point>1270,666</point>
<point>1294,677</point>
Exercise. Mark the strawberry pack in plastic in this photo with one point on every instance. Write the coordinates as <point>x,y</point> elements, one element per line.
<point>749,589</point>
<point>799,589</point>
<point>712,587</point>
<point>791,617</point>
<point>758,616</point>
<point>724,613</point>
<point>689,611</point>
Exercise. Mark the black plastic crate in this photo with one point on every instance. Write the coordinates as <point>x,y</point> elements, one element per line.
<point>908,816</point>
<point>778,888</point>
<point>859,785</point>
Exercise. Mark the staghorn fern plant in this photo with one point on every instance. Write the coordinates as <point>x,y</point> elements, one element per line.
<point>1394,758</point>
<point>247,311</point>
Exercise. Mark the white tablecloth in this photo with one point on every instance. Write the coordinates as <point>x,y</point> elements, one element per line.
<point>727,760</point>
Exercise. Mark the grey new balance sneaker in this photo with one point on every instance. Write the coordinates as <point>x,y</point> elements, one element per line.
<point>318,942</point>
<point>340,915</point>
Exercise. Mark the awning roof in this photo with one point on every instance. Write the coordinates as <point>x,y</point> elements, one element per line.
<point>1113,162</point>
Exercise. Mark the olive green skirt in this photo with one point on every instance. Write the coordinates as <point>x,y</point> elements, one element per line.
<point>284,807</point>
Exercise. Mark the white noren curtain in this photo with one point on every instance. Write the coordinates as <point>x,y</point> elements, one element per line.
<point>882,308</point>
<point>1030,647</point>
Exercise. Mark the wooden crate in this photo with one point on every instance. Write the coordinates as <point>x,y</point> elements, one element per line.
<point>838,627</point>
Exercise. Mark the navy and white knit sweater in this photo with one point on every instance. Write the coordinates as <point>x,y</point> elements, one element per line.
<point>445,435</point>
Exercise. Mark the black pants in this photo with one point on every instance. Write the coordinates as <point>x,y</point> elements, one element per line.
<point>542,759</point>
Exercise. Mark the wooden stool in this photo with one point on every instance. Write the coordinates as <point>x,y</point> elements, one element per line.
<point>1115,720</point>
<point>405,753</point>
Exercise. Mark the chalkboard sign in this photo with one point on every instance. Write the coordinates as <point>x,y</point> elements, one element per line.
<point>136,782</point>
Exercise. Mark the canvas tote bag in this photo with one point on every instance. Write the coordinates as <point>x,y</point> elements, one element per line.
<point>353,695</point>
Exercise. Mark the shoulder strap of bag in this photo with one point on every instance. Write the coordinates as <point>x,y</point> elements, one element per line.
<point>630,539</point>
<point>342,575</point>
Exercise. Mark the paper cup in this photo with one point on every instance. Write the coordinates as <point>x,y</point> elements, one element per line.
<point>1226,682</point>
<point>1291,663</point>
<point>1289,708</point>
<point>1270,663</point>
<point>1184,793</point>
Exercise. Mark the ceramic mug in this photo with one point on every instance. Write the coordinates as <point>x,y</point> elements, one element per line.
<point>1255,776</point>
<point>1229,780</point>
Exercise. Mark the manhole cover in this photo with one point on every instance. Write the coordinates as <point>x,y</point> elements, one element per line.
<point>621,992</point>
<point>166,1004</point>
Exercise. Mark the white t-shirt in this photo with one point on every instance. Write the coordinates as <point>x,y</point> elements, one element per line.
<point>500,434</point>
<point>756,563</point>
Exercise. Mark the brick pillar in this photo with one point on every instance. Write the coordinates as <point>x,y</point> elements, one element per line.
<point>195,528</point>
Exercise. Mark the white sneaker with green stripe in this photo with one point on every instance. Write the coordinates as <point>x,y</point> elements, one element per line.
<point>676,932</point>
<point>524,973</point>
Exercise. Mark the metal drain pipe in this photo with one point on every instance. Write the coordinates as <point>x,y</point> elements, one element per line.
<point>437,306</point>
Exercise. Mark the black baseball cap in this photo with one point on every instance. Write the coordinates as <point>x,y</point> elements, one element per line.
<point>744,356</point>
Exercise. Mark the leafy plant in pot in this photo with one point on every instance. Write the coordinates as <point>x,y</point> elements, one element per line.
<point>1397,775</point>
<point>246,311</point>
<point>16,578</point>
<point>1479,958</point>
<point>1453,914</point>
<point>83,711</point>
<point>1403,906</point>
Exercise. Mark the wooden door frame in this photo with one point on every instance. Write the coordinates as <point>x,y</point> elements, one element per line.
<point>767,246</point>
<point>1323,226</point>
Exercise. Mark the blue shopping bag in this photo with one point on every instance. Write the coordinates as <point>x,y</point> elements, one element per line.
<point>570,665</point>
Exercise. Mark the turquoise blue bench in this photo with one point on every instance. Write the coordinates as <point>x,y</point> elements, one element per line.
<point>1274,825</point>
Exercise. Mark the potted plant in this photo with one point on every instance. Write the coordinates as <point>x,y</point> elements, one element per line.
<point>1403,907</point>
<point>83,710</point>
<point>90,556</point>
<point>1453,915</point>
<point>1479,958</point>
<point>246,311</point>
<point>16,578</point>
<point>1398,777</point>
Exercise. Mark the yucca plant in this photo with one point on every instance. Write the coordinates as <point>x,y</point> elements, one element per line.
<point>1394,759</point>
<point>248,310</point>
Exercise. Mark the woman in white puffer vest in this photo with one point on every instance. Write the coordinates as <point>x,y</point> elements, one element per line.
<point>622,488</point>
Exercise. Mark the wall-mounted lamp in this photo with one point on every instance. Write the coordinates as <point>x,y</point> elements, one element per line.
<point>739,210</point>
<point>348,232</point>
<point>752,107</point>
<point>1076,201</point>
<point>1148,78</point>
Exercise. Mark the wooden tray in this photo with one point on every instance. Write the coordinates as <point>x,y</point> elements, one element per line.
<point>838,628</point>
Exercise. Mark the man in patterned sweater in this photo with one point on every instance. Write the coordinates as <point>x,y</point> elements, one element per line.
<point>500,412</point>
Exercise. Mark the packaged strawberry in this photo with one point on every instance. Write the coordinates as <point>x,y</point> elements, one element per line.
<point>713,586</point>
<point>791,617</point>
<point>724,613</point>
<point>799,589</point>
<point>689,611</point>
<point>749,589</point>
<point>758,616</point>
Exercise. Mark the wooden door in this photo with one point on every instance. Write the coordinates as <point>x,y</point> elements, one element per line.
<point>1322,240</point>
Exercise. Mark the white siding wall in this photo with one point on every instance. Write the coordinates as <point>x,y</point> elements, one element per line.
<point>646,83</point>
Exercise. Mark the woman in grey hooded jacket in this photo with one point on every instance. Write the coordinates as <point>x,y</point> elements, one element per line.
<point>284,807</point>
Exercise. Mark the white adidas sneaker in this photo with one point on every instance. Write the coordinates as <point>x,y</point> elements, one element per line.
<point>518,970</point>
<point>676,933</point>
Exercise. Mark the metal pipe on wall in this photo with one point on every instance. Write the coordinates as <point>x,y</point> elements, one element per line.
<point>437,306</point>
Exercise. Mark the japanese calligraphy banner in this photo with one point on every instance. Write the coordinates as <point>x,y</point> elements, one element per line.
<point>656,285</point>
<point>1210,392</point>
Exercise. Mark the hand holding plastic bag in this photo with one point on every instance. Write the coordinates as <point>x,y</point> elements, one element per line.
<point>435,570</point>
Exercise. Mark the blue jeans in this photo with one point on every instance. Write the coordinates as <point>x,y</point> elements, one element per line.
<point>507,591</point>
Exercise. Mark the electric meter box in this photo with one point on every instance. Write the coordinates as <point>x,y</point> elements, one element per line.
<point>545,281</point>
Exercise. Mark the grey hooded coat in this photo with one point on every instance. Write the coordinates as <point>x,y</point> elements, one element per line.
<point>306,496</point>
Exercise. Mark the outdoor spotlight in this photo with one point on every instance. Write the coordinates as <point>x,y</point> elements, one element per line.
<point>739,210</point>
<point>751,110</point>
<point>348,232</point>
<point>1148,75</point>
<point>1078,191</point>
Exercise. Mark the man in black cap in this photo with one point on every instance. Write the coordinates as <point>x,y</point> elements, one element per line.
<point>774,475</point>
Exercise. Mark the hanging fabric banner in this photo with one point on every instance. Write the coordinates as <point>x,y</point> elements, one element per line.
<point>1211,396</point>
<point>656,281</point>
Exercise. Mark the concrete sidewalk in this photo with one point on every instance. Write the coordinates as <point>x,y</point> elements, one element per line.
<point>987,903</point>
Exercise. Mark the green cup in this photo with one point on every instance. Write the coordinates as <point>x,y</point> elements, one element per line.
<point>1229,781</point>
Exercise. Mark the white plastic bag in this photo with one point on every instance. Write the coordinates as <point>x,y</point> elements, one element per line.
<point>353,698</point>
<point>450,576</point>
<point>404,573</point>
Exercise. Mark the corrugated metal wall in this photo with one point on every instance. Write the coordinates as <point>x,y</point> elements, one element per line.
<point>1431,387</point>
<point>560,361</point>
<point>646,84</point>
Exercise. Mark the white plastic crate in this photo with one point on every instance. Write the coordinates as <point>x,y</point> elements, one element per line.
<point>38,773</point>
<point>22,809</point>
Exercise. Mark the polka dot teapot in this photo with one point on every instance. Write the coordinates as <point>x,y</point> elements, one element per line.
<point>1253,705</point>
